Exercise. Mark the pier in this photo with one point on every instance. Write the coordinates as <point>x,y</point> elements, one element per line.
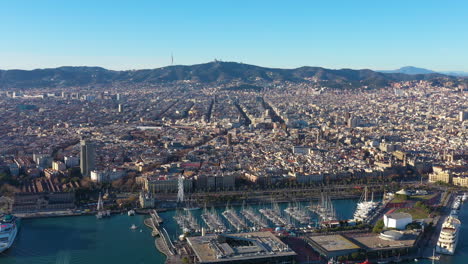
<point>149,222</point>
<point>213,221</point>
<point>298,214</point>
<point>254,218</point>
<point>187,221</point>
<point>155,216</point>
<point>234,219</point>
<point>324,209</point>
<point>274,217</point>
<point>162,242</point>
<point>153,222</point>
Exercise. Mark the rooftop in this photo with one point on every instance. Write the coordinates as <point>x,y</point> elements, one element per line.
<point>376,242</point>
<point>399,215</point>
<point>238,247</point>
<point>334,242</point>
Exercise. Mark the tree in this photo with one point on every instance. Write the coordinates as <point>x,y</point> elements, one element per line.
<point>357,255</point>
<point>411,226</point>
<point>379,226</point>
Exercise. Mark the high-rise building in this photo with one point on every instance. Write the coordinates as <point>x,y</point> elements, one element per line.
<point>87,156</point>
<point>71,161</point>
<point>43,160</point>
<point>463,115</point>
<point>353,121</point>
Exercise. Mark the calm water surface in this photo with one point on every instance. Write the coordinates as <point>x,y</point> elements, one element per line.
<point>83,239</point>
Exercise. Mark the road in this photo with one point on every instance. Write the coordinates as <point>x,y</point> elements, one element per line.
<point>430,243</point>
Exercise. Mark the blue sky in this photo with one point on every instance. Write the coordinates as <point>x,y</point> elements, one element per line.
<point>139,34</point>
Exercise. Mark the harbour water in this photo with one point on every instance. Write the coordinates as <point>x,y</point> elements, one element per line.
<point>86,240</point>
<point>83,240</point>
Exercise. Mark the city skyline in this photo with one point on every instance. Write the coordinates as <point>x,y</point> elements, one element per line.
<point>337,34</point>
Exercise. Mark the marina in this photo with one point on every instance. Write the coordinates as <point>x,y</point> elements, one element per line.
<point>299,213</point>
<point>234,219</point>
<point>325,210</point>
<point>255,219</point>
<point>213,221</point>
<point>187,222</point>
<point>83,228</point>
<point>274,215</point>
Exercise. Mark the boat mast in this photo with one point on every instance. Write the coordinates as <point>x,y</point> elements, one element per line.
<point>100,205</point>
<point>365,194</point>
<point>433,255</point>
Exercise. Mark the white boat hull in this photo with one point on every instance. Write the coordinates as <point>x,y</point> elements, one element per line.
<point>9,243</point>
<point>449,236</point>
<point>445,251</point>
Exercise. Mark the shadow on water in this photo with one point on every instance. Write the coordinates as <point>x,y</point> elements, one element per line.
<point>82,240</point>
<point>35,239</point>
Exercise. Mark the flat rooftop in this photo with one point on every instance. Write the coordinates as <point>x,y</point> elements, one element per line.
<point>333,243</point>
<point>374,242</point>
<point>215,248</point>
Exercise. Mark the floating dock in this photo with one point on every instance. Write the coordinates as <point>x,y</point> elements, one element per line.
<point>213,221</point>
<point>254,218</point>
<point>235,220</point>
<point>298,214</point>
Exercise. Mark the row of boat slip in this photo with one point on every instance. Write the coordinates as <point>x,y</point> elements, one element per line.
<point>187,222</point>
<point>324,209</point>
<point>213,221</point>
<point>254,218</point>
<point>299,215</point>
<point>275,217</point>
<point>234,219</point>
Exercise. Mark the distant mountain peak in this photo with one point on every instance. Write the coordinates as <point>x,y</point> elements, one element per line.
<point>410,70</point>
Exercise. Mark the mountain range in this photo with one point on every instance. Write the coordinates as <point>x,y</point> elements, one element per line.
<point>414,70</point>
<point>216,72</point>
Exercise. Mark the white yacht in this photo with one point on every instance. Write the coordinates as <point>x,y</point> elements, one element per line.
<point>448,237</point>
<point>457,203</point>
<point>131,212</point>
<point>8,230</point>
<point>365,207</point>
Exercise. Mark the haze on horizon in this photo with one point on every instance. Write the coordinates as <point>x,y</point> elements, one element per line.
<point>123,35</point>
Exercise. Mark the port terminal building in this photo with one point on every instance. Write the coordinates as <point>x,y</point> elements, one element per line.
<point>253,247</point>
<point>336,245</point>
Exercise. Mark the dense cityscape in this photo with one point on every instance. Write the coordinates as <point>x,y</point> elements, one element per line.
<point>188,145</point>
<point>233,132</point>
